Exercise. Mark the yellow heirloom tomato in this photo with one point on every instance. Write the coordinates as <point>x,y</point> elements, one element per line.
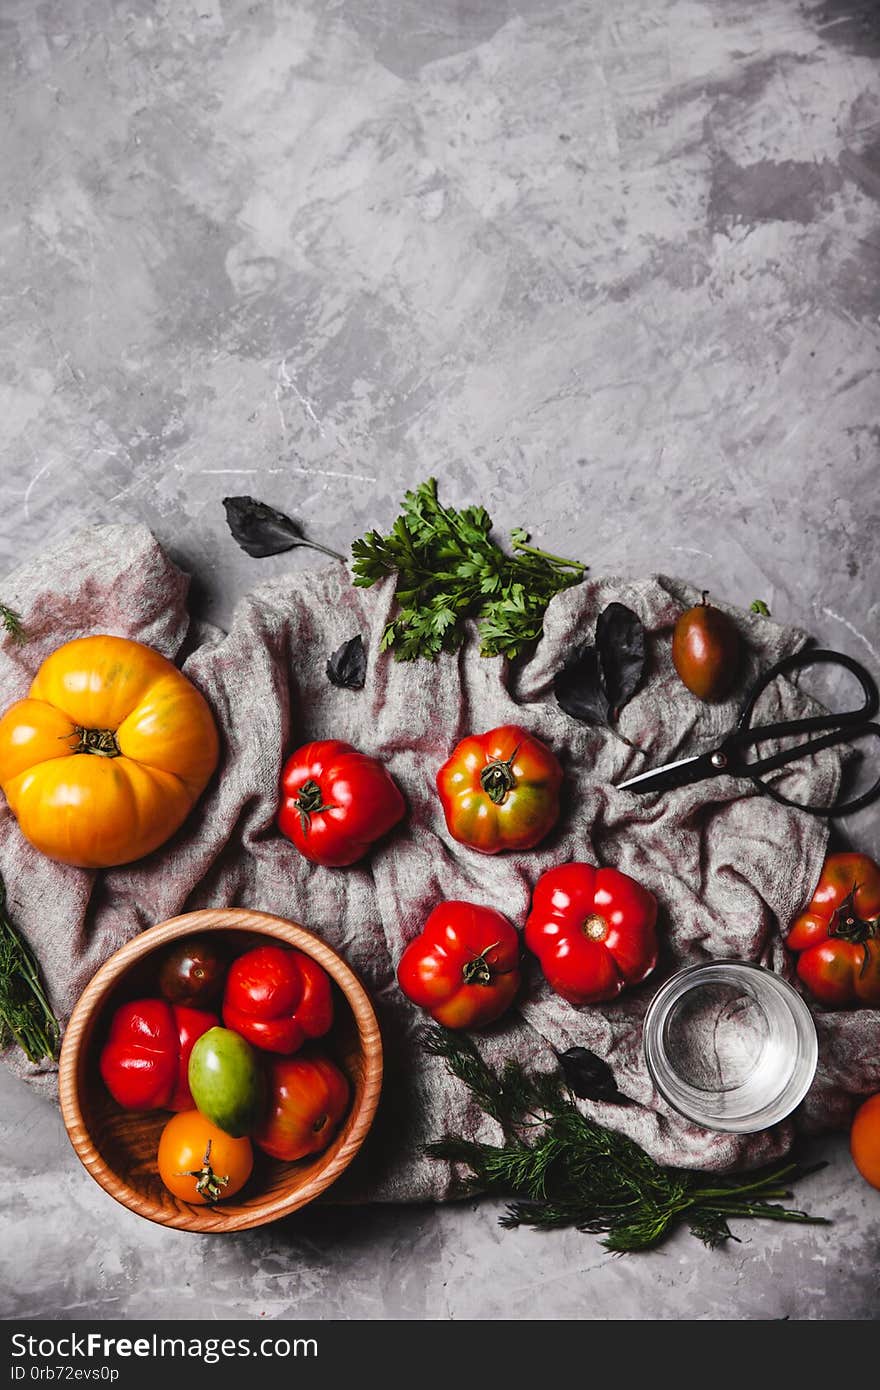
<point>108,753</point>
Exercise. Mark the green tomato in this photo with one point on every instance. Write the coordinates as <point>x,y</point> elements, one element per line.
<point>227,1082</point>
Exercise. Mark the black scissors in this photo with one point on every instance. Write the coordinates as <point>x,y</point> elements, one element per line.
<point>727,758</point>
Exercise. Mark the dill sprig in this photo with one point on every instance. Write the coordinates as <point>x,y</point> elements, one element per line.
<point>26,1015</point>
<point>11,623</point>
<point>560,1169</point>
<point>448,569</point>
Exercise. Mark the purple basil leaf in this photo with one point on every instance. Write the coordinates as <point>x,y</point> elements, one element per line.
<point>587,1076</point>
<point>620,643</point>
<point>347,666</point>
<point>261,530</point>
<point>578,687</point>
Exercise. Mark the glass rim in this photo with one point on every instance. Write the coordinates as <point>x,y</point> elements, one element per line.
<point>676,1095</point>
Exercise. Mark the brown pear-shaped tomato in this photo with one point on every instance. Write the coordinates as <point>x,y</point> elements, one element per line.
<point>706,651</point>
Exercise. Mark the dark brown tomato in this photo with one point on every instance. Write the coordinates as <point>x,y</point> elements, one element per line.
<point>706,651</point>
<point>193,972</point>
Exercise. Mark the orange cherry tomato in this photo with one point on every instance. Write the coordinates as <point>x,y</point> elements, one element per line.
<point>200,1163</point>
<point>864,1140</point>
<point>108,753</point>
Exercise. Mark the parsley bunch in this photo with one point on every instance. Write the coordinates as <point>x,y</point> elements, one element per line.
<point>448,569</point>
<point>561,1169</point>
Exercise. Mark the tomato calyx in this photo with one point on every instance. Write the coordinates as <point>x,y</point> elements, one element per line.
<point>595,928</point>
<point>847,925</point>
<point>208,1183</point>
<point>497,778</point>
<point>310,801</point>
<point>99,741</point>
<point>478,971</point>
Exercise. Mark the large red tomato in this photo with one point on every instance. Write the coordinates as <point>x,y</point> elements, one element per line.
<point>336,802</point>
<point>838,936</point>
<point>500,790</point>
<point>464,967</point>
<point>593,931</point>
<point>277,998</point>
<point>145,1061</point>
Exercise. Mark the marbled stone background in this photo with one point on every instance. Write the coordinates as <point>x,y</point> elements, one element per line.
<point>610,269</point>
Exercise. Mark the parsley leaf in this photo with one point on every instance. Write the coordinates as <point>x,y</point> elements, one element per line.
<point>448,570</point>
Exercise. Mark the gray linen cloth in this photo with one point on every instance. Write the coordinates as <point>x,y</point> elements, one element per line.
<point>730,868</point>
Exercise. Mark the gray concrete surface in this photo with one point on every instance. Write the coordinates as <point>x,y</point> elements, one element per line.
<point>610,269</point>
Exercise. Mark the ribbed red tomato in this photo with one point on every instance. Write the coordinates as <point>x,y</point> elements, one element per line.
<point>277,998</point>
<point>593,930</point>
<point>145,1061</point>
<point>838,936</point>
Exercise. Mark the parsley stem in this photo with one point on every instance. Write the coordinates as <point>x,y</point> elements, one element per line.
<point>548,555</point>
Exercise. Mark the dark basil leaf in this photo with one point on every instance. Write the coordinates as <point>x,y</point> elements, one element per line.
<point>261,530</point>
<point>578,687</point>
<point>587,1076</point>
<point>620,642</point>
<point>347,666</point>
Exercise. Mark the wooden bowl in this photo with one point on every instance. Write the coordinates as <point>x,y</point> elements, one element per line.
<point>118,1147</point>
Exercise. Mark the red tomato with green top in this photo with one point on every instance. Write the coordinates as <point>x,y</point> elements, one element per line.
<point>276,998</point>
<point>838,936</point>
<point>464,967</point>
<point>593,930</point>
<point>500,790</point>
<point>336,802</point>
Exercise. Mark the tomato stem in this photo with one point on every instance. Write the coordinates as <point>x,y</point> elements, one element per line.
<point>309,802</point>
<point>99,741</point>
<point>208,1183</point>
<point>497,777</point>
<point>595,927</point>
<point>847,925</point>
<point>478,970</point>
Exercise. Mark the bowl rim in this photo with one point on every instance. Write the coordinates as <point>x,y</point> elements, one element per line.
<point>214,1218</point>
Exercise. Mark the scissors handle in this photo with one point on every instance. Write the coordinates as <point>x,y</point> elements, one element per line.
<point>839,728</point>
<point>809,723</point>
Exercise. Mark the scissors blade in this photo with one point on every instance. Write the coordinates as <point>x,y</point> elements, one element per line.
<point>682,773</point>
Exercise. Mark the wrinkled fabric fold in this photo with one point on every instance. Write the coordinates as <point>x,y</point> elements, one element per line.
<point>729,867</point>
